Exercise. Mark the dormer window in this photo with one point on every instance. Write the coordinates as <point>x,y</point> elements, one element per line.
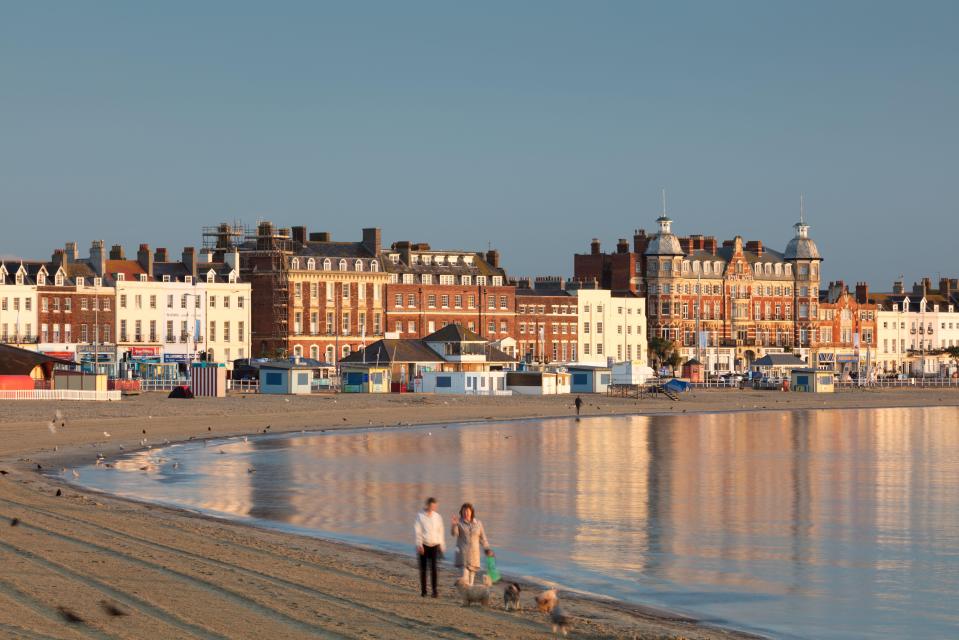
<point>121,277</point>
<point>232,277</point>
<point>427,259</point>
<point>358,265</point>
<point>427,278</point>
<point>497,281</point>
<point>395,258</point>
<point>57,279</point>
<point>41,279</point>
<point>342,266</point>
<point>481,281</point>
<point>81,282</point>
<point>295,263</point>
<point>327,265</point>
<point>210,278</point>
<point>143,277</point>
<point>166,278</point>
<point>98,282</point>
<point>188,279</point>
<point>374,265</point>
<point>19,278</point>
<point>467,280</point>
<point>407,278</point>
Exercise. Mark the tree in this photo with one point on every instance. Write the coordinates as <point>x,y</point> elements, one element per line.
<point>674,360</point>
<point>659,349</point>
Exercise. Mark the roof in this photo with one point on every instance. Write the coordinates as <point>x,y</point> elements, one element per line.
<point>802,247</point>
<point>780,360</point>
<point>130,269</point>
<point>15,361</point>
<point>454,333</point>
<point>391,350</point>
<point>286,364</point>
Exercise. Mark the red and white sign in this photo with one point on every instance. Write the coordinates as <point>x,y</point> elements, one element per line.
<point>144,351</point>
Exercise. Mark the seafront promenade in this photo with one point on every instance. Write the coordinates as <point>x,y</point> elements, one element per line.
<point>181,575</point>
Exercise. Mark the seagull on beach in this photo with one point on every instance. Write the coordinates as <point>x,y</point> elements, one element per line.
<point>76,474</point>
<point>106,434</point>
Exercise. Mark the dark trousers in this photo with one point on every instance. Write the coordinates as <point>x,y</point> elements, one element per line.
<point>430,554</point>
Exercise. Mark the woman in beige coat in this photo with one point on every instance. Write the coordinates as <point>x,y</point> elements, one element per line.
<point>470,537</point>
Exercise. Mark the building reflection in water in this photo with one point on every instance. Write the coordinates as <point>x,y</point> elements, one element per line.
<point>773,519</point>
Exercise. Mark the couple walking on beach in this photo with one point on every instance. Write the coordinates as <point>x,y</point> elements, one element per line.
<point>430,532</point>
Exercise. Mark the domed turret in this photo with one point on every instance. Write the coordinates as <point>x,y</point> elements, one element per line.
<point>664,243</point>
<point>802,247</point>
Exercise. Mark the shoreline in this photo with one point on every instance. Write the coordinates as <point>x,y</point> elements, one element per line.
<point>25,442</point>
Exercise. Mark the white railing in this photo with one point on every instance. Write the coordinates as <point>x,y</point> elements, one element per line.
<point>60,394</point>
<point>147,384</point>
<point>243,386</point>
<point>909,383</point>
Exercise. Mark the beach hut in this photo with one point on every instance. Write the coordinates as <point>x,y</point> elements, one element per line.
<point>585,378</point>
<point>286,377</point>
<point>778,364</point>
<point>631,373</point>
<point>538,383</point>
<point>208,379</point>
<point>474,383</point>
<point>693,370</point>
<point>366,379</point>
<point>812,381</point>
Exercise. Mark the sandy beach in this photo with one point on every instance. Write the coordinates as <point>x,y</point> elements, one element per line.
<point>179,575</point>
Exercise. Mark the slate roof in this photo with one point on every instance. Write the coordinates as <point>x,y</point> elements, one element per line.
<point>454,333</point>
<point>780,360</point>
<point>390,350</point>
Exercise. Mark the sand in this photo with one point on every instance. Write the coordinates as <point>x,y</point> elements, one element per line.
<point>174,574</point>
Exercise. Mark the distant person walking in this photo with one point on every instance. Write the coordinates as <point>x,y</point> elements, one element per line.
<point>579,403</point>
<point>470,536</point>
<point>430,542</point>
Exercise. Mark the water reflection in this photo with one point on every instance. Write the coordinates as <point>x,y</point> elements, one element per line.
<point>814,524</point>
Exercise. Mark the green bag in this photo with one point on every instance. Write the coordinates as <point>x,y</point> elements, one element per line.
<point>491,569</point>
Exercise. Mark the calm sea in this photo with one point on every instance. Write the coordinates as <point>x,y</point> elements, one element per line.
<point>815,524</point>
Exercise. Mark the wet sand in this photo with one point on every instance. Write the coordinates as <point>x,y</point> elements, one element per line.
<point>181,575</point>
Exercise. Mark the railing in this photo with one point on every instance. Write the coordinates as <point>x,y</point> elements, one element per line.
<point>60,394</point>
<point>149,384</point>
<point>243,386</point>
<point>909,383</point>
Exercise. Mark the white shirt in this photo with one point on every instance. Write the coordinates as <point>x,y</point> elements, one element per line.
<point>429,530</point>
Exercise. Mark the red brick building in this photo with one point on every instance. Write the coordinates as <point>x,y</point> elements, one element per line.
<point>429,289</point>
<point>546,321</point>
<point>847,327</point>
<point>311,296</point>
<point>75,310</point>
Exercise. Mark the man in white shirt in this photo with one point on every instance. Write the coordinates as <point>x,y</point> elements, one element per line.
<point>430,535</point>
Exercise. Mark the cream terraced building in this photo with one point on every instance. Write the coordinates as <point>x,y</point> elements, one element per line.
<point>610,328</point>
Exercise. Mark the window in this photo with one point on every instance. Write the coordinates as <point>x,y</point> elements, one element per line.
<point>346,290</point>
<point>226,331</point>
<point>445,301</point>
<point>342,265</point>
<point>491,302</point>
<point>327,265</point>
<point>472,301</point>
<point>211,334</point>
<point>226,302</point>
<point>239,302</point>
<point>491,327</point>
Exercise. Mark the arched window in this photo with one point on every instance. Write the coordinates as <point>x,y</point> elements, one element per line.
<point>757,268</point>
<point>374,265</point>
<point>342,266</point>
<point>295,263</point>
<point>315,352</point>
<point>327,265</point>
<point>330,353</point>
<point>298,350</point>
<point>358,265</point>
<point>311,264</point>
<point>346,350</point>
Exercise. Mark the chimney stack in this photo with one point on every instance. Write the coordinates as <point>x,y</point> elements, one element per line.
<point>322,236</point>
<point>98,261</point>
<point>59,259</point>
<point>299,235</point>
<point>640,241</point>
<point>594,248</point>
<point>898,287</point>
<point>188,258</point>
<point>116,252</point>
<point>622,246</point>
<point>862,292</point>
<point>372,240</point>
<point>756,246</point>
<point>492,257</point>
<point>160,255</point>
<point>145,259</point>
<point>70,251</point>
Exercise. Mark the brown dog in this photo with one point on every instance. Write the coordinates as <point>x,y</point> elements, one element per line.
<point>546,600</point>
<point>474,593</point>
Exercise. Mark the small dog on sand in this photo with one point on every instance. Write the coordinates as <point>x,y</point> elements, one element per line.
<point>511,597</point>
<point>560,621</point>
<point>474,593</point>
<point>546,601</point>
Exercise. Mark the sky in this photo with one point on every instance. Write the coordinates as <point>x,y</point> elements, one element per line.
<point>531,127</point>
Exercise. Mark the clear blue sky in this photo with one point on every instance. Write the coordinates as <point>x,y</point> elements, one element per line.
<point>531,125</point>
